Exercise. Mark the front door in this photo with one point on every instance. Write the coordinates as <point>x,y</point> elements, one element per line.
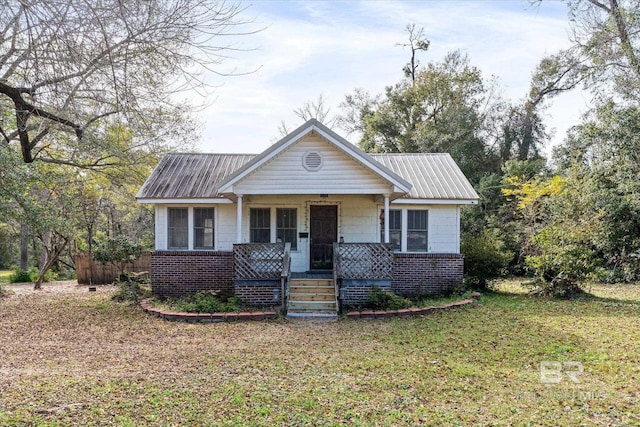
<point>323,233</point>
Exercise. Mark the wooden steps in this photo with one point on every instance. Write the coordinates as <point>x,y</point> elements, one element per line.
<point>312,298</point>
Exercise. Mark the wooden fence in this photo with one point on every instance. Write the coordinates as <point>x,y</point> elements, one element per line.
<point>91,272</point>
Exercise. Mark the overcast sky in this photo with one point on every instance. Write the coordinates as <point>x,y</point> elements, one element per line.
<point>308,48</point>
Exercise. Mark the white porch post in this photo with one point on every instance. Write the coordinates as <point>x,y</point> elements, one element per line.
<point>239,219</point>
<point>386,218</point>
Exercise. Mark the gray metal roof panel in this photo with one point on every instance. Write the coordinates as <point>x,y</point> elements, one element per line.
<point>191,175</point>
<point>433,175</point>
<point>199,175</point>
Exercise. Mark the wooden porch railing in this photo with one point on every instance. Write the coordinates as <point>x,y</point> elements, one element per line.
<point>336,269</point>
<point>363,261</point>
<point>285,276</point>
<point>255,261</point>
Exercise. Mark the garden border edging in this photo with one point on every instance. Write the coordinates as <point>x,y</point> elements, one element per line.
<point>262,315</point>
<point>410,312</point>
<point>174,316</point>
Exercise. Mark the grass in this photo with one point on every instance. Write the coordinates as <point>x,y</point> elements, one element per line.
<point>4,275</point>
<point>82,359</point>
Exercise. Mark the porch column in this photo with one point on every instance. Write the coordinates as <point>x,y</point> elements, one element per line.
<point>386,218</point>
<point>239,219</point>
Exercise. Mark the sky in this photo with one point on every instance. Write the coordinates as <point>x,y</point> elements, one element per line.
<point>308,48</point>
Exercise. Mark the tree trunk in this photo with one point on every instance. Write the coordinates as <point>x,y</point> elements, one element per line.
<point>44,259</point>
<point>53,247</point>
<point>24,248</point>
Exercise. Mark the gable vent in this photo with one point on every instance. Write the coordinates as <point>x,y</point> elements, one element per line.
<point>312,161</point>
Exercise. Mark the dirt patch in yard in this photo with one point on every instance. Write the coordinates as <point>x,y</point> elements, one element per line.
<point>59,287</point>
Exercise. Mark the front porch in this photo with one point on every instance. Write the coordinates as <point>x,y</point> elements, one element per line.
<point>260,274</point>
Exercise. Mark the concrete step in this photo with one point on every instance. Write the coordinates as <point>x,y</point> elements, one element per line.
<point>305,296</point>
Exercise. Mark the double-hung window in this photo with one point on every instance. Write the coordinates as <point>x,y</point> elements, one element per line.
<point>395,229</point>
<point>178,228</point>
<point>260,225</point>
<point>408,230</point>
<point>287,226</point>
<point>203,228</point>
<point>417,229</point>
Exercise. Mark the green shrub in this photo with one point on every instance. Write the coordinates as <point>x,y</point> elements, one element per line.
<point>21,276</point>
<point>131,292</point>
<point>485,257</point>
<point>379,299</point>
<point>563,263</point>
<point>118,252</point>
<point>207,302</point>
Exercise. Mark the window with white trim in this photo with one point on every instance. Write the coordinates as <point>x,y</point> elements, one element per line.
<point>203,228</point>
<point>417,230</point>
<point>287,226</point>
<point>395,228</point>
<point>408,229</point>
<point>178,228</point>
<point>260,225</point>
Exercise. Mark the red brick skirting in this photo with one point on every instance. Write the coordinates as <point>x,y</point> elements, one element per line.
<point>413,311</point>
<point>205,317</point>
<point>179,273</point>
<point>426,273</point>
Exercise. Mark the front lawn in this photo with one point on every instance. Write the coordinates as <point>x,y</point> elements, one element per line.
<point>81,359</point>
<point>4,275</point>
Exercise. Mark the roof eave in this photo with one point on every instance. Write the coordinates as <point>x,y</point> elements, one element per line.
<point>407,201</point>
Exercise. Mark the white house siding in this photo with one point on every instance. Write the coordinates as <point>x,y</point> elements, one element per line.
<point>358,221</point>
<point>161,227</point>
<point>443,232</point>
<point>339,173</point>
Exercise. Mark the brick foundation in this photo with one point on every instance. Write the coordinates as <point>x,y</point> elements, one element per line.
<point>177,273</point>
<point>356,292</point>
<point>258,292</point>
<point>426,274</point>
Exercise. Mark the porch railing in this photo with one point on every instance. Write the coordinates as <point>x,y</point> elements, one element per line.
<point>336,269</point>
<point>255,261</point>
<point>285,276</point>
<point>363,261</point>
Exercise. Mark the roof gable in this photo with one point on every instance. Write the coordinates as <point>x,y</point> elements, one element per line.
<point>399,184</point>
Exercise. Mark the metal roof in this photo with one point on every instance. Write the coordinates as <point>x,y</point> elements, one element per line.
<point>199,175</point>
<point>191,175</point>
<point>432,175</point>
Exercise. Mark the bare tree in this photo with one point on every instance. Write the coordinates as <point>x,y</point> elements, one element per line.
<point>417,42</point>
<point>311,110</point>
<point>69,68</point>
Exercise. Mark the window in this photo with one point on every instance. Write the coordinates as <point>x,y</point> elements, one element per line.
<point>178,228</point>
<point>260,225</point>
<point>395,229</point>
<point>203,229</point>
<point>287,226</point>
<point>417,231</point>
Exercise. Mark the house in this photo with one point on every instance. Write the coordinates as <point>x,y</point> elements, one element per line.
<point>310,223</point>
